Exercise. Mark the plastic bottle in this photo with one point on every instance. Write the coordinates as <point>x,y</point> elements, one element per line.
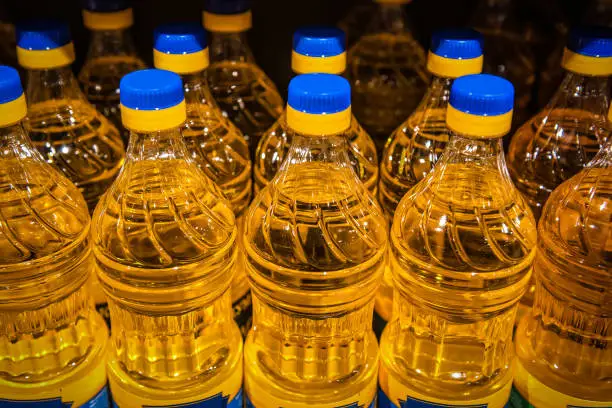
<point>165,246</point>
<point>509,48</point>
<point>462,243</point>
<point>563,137</point>
<point>414,148</point>
<point>111,55</point>
<point>316,50</point>
<point>561,345</point>
<point>63,126</point>
<point>315,242</point>
<point>242,90</point>
<point>52,341</point>
<point>387,71</point>
<point>212,141</point>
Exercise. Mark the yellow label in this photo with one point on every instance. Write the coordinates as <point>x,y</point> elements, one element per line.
<point>226,394</point>
<point>13,111</point>
<point>586,65</point>
<point>539,395</point>
<point>476,125</point>
<point>453,68</point>
<point>397,395</point>
<point>182,63</point>
<point>259,397</point>
<point>227,23</point>
<point>324,124</point>
<point>154,120</point>
<point>88,389</point>
<point>303,64</point>
<point>46,59</point>
<point>118,20</point>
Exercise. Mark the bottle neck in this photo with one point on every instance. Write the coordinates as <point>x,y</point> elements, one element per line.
<point>109,43</point>
<point>163,145</point>
<point>390,18</point>
<point>52,84</point>
<point>230,47</point>
<point>603,159</point>
<point>437,94</point>
<point>197,90</point>
<point>581,92</point>
<point>327,150</point>
<point>486,154</point>
<point>11,137</point>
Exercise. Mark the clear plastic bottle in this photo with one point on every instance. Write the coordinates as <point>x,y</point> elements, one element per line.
<point>562,344</point>
<point>315,241</point>
<point>165,246</point>
<point>213,142</point>
<point>509,39</point>
<point>62,124</point>
<point>243,91</point>
<point>111,55</point>
<point>316,50</point>
<point>462,243</point>
<point>52,341</point>
<point>414,148</point>
<point>387,71</point>
<point>563,137</point>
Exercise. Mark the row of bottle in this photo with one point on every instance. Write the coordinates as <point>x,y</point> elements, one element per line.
<point>164,245</point>
<point>169,56</point>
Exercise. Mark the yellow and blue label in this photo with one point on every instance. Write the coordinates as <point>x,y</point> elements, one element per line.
<point>216,401</point>
<point>249,404</point>
<point>410,402</point>
<point>100,400</point>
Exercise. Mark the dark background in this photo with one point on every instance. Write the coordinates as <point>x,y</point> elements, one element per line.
<point>275,20</point>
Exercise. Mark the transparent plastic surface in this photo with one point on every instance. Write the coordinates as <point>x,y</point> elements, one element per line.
<point>563,341</point>
<point>71,134</point>
<point>165,247</point>
<point>561,139</point>
<point>462,245</point>
<point>274,146</point>
<point>111,56</point>
<point>387,70</point>
<point>315,241</point>
<point>221,152</point>
<point>241,89</point>
<point>50,333</point>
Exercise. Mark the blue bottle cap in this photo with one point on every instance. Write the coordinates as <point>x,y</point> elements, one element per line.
<point>151,89</point>
<point>179,38</point>
<point>39,35</point>
<point>458,43</point>
<point>482,95</point>
<point>10,84</point>
<point>319,41</point>
<point>106,6</point>
<point>319,94</point>
<point>591,41</point>
<point>227,6</point>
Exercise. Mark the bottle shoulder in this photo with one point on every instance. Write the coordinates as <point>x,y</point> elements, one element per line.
<point>43,213</point>
<point>314,218</point>
<point>163,214</point>
<point>465,219</point>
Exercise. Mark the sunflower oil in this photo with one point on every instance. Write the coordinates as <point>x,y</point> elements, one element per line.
<point>322,50</point>
<point>315,242</point>
<point>111,55</point>
<point>241,89</point>
<point>213,142</point>
<point>563,137</point>
<point>561,345</point>
<point>386,67</point>
<point>63,126</point>
<point>165,246</point>
<point>52,341</point>
<point>414,148</point>
<point>462,245</point>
